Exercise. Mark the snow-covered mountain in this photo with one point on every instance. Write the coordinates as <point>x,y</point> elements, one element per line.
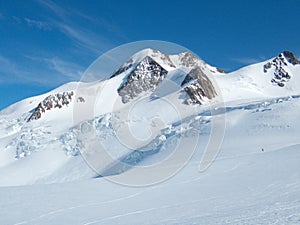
<point>47,127</point>
<point>157,108</point>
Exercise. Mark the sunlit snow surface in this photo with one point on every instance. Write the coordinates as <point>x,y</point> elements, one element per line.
<point>254,180</point>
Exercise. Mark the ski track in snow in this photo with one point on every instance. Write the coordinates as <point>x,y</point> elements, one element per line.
<point>63,210</point>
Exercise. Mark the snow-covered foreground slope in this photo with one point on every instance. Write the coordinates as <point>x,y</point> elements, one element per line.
<point>254,180</point>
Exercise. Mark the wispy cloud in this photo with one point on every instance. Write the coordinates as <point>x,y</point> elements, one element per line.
<point>89,36</point>
<point>38,24</point>
<point>248,60</point>
<point>59,11</point>
<point>11,72</point>
<point>62,69</point>
<point>51,71</point>
<point>83,37</point>
<point>70,70</point>
<point>4,61</point>
<point>16,19</point>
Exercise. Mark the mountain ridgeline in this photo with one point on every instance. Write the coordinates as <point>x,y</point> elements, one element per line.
<point>152,91</point>
<point>149,69</point>
<point>143,73</point>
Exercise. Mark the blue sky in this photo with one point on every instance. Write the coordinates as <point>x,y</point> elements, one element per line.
<point>45,43</point>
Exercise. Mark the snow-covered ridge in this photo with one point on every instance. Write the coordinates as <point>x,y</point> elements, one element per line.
<point>279,64</point>
<point>158,56</point>
<point>278,76</point>
<point>145,70</point>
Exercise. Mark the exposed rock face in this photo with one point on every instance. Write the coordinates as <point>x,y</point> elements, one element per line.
<point>150,72</point>
<point>187,59</point>
<point>198,86</point>
<point>154,54</point>
<point>163,57</point>
<point>291,57</point>
<point>80,99</point>
<point>281,76</point>
<point>221,70</point>
<point>52,101</point>
<point>145,77</point>
<point>123,68</point>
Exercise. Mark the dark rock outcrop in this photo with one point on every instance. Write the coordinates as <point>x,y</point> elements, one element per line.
<point>291,57</point>
<point>188,59</point>
<point>52,101</point>
<point>279,63</point>
<point>145,77</point>
<point>123,68</point>
<point>198,86</point>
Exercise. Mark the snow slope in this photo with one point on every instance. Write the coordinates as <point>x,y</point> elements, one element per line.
<point>245,185</point>
<point>253,82</point>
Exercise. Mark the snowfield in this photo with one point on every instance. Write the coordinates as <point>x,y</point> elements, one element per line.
<point>46,176</point>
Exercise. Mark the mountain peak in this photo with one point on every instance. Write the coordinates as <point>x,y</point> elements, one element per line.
<point>280,67</point>
<point>159,57</point>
